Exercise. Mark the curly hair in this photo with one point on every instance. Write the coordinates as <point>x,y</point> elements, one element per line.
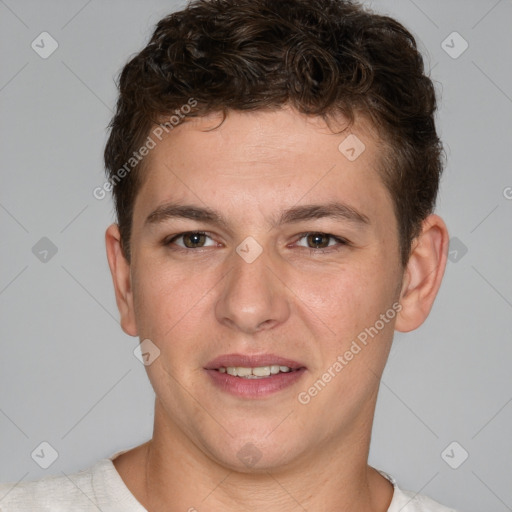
<point>322,57</point>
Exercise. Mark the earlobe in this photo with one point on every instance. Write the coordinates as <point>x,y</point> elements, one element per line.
<point>423,274</point>
<point>121,277</point>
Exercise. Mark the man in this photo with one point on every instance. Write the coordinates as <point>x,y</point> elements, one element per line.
<point>275,166</point>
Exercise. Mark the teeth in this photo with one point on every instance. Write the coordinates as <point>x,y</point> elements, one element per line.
<point>254,373</point>
<point>244,372</point>
<point>262,371</point>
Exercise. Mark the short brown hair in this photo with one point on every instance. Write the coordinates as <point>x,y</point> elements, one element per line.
<point>322,57</point>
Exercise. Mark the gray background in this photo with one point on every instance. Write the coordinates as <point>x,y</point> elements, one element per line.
<point>68,373</point>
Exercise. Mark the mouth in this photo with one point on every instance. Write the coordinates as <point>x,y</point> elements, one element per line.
<point>258,372</point>
<point>263,364</point>
<point>253,376</point>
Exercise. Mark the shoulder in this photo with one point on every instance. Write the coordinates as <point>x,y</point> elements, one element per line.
<point>407,501</point>
<point>53,493</point>
<point>98,487</point>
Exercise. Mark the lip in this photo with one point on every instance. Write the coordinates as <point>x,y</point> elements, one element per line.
<point>251,361</point>
<point>253,388</point>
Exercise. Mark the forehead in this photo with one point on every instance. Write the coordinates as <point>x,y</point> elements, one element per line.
<point>270,136</point>
<point>264,158</point>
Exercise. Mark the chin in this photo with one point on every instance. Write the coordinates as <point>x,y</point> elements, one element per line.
<point>255,454</point>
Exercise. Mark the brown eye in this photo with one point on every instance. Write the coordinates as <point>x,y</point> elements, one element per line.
<point>318,240</point>
<point>192,239</point>
<point>322,242</point>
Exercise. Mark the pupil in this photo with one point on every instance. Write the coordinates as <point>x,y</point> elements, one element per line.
<point>195,239</point>
<point>315,239</point>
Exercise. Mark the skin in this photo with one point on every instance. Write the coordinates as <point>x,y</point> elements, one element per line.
<point>309,306</point>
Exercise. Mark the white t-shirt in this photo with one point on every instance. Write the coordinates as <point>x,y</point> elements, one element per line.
<point>100,488</point>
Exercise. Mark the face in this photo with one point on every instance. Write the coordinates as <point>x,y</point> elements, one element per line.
<point>299,267</point>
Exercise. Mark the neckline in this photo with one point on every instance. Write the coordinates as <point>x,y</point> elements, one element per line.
<point>130,499</point>
<point>124,497</point>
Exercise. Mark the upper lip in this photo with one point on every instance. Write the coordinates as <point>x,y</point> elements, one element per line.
<point>251,361</point>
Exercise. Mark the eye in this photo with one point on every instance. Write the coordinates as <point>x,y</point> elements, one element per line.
<point>320,241</point>
<point>191,240</point>
<point>316,242</point>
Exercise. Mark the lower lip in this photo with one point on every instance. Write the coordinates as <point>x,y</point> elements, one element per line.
<point>255,388</point>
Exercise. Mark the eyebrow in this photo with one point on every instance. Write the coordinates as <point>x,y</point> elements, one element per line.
<point>333,210</point>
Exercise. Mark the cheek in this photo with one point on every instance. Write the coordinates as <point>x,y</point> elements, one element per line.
<point>164,297</point>
<point>353,354</point>
<point>348,299</point>
<point>168,312</point>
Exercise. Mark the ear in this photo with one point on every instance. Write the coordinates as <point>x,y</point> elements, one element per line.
<point>121,276</point>
<point>423,274</point>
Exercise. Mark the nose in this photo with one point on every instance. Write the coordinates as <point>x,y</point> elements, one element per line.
<point>253,297</point>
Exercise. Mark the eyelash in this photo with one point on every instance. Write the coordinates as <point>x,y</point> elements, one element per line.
<point>343,242</point>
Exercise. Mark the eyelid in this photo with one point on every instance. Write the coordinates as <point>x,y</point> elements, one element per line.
<point>342,242</point>
<point>173,238</point>
<point>329,235</point>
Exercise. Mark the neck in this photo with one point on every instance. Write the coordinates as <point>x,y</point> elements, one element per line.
<point>334,476</point>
